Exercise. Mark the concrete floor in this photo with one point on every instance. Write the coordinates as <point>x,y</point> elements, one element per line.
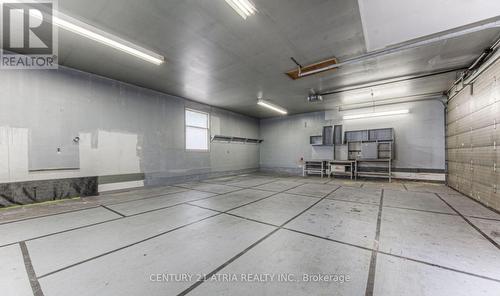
<point>255,235</point>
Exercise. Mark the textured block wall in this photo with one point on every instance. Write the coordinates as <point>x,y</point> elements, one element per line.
<point>472,137</point>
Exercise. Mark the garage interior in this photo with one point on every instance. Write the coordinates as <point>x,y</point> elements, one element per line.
<point>237,147</point>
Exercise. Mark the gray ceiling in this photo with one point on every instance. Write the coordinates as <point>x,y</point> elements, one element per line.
<point>215,57</point>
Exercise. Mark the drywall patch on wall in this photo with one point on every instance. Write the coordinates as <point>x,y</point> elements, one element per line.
<point>115,153</point>
<point>13,153</point>
<point>4,154</point>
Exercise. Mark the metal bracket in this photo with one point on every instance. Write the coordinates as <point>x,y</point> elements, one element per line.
<point>471,89</point>
<point>471,143</point>
<point>299,66</point>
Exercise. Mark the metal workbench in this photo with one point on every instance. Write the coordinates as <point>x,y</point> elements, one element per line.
<point>387,174</point>
<point>315,167</point>
<point>351,164</point>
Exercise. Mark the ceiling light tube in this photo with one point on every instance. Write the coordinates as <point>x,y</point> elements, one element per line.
<point>100,36</point>
<point>272,106</point>
<point>243,7</point>
<point>376,114</point>
<point>66,22</point>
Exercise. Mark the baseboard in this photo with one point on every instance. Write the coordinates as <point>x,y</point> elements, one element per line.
<point>417,174</point>
<point>435,177</point>
<point>158,179</point>
<point>120,185</point>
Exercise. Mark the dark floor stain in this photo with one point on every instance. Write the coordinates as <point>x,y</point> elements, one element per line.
<point>495,234</point>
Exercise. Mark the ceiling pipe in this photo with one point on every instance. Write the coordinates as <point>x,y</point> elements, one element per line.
<point>481,64</point>
<point>392,101</point>
<point>495,23</point>
<point>388,81</point>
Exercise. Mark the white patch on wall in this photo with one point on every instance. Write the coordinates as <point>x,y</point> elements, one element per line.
<point>388,22</point>
<point>13,153</point>
<point>4,153</point>
<point>116,153</point>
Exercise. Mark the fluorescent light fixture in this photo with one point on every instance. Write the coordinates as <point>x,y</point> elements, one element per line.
<point>272,106</point>
<point>100,36</point>
<point>244,8</point>
<point>63,21</point>
<point>376,114</point>
<point>73,25</point>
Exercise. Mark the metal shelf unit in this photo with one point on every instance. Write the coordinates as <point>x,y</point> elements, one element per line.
<point>229,139</point>
<point>370,144</point>
<point>318,167</point>
<point>386,174</point>
<point>341,168</point>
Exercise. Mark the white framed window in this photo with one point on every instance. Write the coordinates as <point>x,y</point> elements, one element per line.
<point>197,130</point>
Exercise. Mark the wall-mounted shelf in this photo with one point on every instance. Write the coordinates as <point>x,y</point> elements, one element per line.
<point>370,144</point>
<point>327,138</point>
<point>316,140</point>
<point>229,139</point>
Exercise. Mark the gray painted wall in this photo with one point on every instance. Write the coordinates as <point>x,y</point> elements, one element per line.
<point>123,129</point>
<point>419,136</point>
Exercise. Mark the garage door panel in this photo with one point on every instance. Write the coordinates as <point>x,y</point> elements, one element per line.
<point>484,156</point>
<point>483,137</point>
<point>485,116</point>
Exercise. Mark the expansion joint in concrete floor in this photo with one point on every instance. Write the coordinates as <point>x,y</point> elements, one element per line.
<point>215,271</point>
<point>160,234</point>
<point>35,285</point>
<point>470,223</point>
<point>370,284</point>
